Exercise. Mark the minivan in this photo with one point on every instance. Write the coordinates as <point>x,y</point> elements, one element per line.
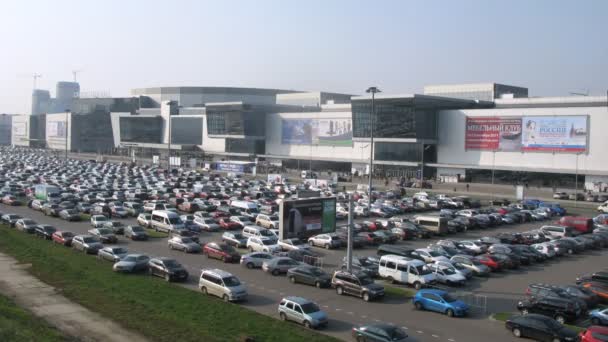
<point>404,270</point>
<point>166,221</point>
<point>581,224</point>
<point>557,231</point>
<point>253,231</point>
<point>222,284</point>
<point>302,311</point>
<point>436,224</point>
<point>246,208</point>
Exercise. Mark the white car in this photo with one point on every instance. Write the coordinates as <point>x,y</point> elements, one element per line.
<point>291,244</point>
<point>262,244</point>
<point>447,275</point>
<point>97,221</point>
<point>474,246</point>
<point>144,220</point>
<point>467,213</point>
<point>429,255</point>
<point>545,248</point>
<point>206,224</point>
<point>603,208</point>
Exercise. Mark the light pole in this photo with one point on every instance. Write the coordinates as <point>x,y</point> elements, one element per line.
<point>422,165</point>
<point>67,114</point>
<point>169,143</point>
<point>493,167</point>
<point>576,183</point>
<point>373,91</point>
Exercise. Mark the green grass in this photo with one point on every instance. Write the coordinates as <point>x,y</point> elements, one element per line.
<point>85,217</point>
<point>154,234</point>
<point>504,316</point>
<point>399,291</point>
<point>160,311</point>
<point>17,324</point>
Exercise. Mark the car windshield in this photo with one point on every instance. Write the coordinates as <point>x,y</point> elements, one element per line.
<point>129,258</point>
<point>448,271</point>
<point>423,269</point>
<point>449,298</point>
<point>268,242</point>
<point>310,308</point>
<point>239,236</point>
<point>265,232</point>
<point>104,231</point>
<point>366,280</point>
<point>397,334</point>
<point>172,264</point>
<point>119,250</point>
<point>296,242</point>
<point>227,248</point>
<point>435,253</point>
<point>49,229</point>
<point>175,220</point>
<point>231,281</point>
<point>186,240</point>
<point>67,234</point>
<point>89,239</point>
<point>316,271</point>
<point>137,229</point>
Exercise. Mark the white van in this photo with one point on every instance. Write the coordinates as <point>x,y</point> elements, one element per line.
<point>246,208</point>
<point>166,221</point>
<point>222,284</point>
<point>400,269</point>
<point>436,224</point>
<point>255,231</point>
<point>556,232</point>
<point>603,208</point>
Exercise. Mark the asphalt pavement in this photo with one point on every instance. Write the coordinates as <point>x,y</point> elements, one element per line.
<point>499,292</point>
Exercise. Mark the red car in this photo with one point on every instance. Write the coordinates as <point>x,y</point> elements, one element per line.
<point>221,251</point>
<point>489,261</point>
<point>229,225</point>
<point>580,223</point>
<point>62,238</point>
<point>218,214</point>
<point>594,333</point>
<point>10,200</point>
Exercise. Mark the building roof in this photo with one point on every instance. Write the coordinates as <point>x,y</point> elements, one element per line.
<point>425,101</point>
<point>564,101</point>
<point>210,90</point>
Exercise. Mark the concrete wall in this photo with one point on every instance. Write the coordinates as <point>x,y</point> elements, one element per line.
<point>450,149</point>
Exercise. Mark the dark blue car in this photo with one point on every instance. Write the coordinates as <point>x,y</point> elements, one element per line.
<point>440,301</point>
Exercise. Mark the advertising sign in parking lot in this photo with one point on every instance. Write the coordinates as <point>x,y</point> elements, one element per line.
<point>327,131</point>
<point>555,133</point>
<point>303,218</point>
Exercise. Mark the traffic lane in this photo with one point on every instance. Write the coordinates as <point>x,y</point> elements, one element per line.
<point>266,290</point>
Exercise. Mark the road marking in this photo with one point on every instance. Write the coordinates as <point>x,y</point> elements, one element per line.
<point>420,332</point>
<point>406,328</point>
<point>377,320</point>
<point>350,313</point>
<point>364,317</point>
<point>435,336</point>
<point>338,309</point>
<point>325,306</point>
<point>451,340</point>
<point>282,293</point>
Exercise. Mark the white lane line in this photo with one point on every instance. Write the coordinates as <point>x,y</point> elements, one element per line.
<point>325,306</point>
<point>435,336</point>
<point>272,290</point>
<point>338,309</point>
<point>420,332</point>
<point>282,293</point>
<point>377,320</point>
<point>364,317</point>
<point>405,328</point>
<point>350,313</point>
<point>451,340</point>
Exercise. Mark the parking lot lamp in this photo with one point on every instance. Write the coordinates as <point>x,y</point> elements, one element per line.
<point>67,114</point>
<point>373,91</point>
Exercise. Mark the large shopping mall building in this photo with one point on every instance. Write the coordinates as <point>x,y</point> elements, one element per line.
<point>452,132</point>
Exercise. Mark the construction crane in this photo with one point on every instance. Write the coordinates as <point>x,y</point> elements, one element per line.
<point>75,73</point>
<point>36,77</point>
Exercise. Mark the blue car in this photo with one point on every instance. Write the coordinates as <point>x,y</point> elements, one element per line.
<point>440,301</point>
<point>554,207</point>
<point>599,317</point>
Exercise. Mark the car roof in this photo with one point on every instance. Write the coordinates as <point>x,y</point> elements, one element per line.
<point>298,300</point>
<point>218,272</point>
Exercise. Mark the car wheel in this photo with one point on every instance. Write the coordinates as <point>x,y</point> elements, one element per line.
<point>312,244</point>
<point>307,325</point>
<point>418,305</point>
<point>339,290</point>
<point>327,246</point>
<point>150,272</point>
<point>595,321</point>
<point>167,277</point>
<point>561,319</point>
<point>250,250</point>
<point>204,290</point>
<point>417,285</point>
<point>360,339</point>
<point>450,313</point>
<point>275,272</point>
<point>292,280</point>
<point>171,247</point>
<point>249,265</point>
<point>283,317</point>
<point>225,298</point>
<point>516,332</point>
<point>317,284</point>
<point>366,297</point>
<point>391,280</point>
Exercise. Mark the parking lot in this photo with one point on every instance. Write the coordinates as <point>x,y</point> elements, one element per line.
<point>497,293</point>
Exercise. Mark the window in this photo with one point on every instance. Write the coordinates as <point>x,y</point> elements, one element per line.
<point>298,308</point>
<point>390,264</point>
<point>402,268</point>
<point>289,306</point>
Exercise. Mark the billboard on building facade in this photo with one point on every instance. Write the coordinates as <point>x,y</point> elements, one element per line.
<point>568,134</point>
<point>494,133</point>
<point>274,178</point>
<point>326,131</point>
<point>55,129</point>
<point>19,128</point>
<point>303,218</point>
<point>555,133</point>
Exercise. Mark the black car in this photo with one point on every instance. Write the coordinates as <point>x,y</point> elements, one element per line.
<point>600,277</point>
<point>363,264</point>
<point>167,268</point>
<point>562,310</point>
<point>466,222</point>
<point>186,233</point>
<point>45,231</point>
<point>394,250</point>
<point>540,328</point>
<point>303,255</point>
<point>583,293</point>
<point>309,275</point>
<point>549,291</point>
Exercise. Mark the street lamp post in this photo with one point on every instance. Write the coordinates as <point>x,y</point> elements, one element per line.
<point>373,91</point>
<point>169,143</point>
<point>67,114</point>
<point>576,183</point>
<point>493,168</point>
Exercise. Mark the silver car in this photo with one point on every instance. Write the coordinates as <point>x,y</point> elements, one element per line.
<point>112,253</point>
<point>469,262</point>
<point>86,243</point>
<point>185,244</point>
<point>206,224</point>
<point>132,263</point>
<point>255,259</point>
<point>302,311</point>
<point>26,225</point>
<point>279,265</point>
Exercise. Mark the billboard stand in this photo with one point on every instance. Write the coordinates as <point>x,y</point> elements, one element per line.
<point>349,247</point>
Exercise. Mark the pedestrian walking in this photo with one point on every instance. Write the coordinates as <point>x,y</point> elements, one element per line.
<point>467,187</point>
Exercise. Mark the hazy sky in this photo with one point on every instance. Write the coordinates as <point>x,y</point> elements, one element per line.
<point>552,47</point>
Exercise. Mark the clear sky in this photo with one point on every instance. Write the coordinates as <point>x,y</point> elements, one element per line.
<point>552,47</point>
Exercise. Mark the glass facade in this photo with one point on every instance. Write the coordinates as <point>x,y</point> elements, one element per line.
<point>141,129</point>
<point>236,123</point>
<point>408,152</point>
<point>394,120</point>
<point>250,146</point>
<point>186,131</point>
